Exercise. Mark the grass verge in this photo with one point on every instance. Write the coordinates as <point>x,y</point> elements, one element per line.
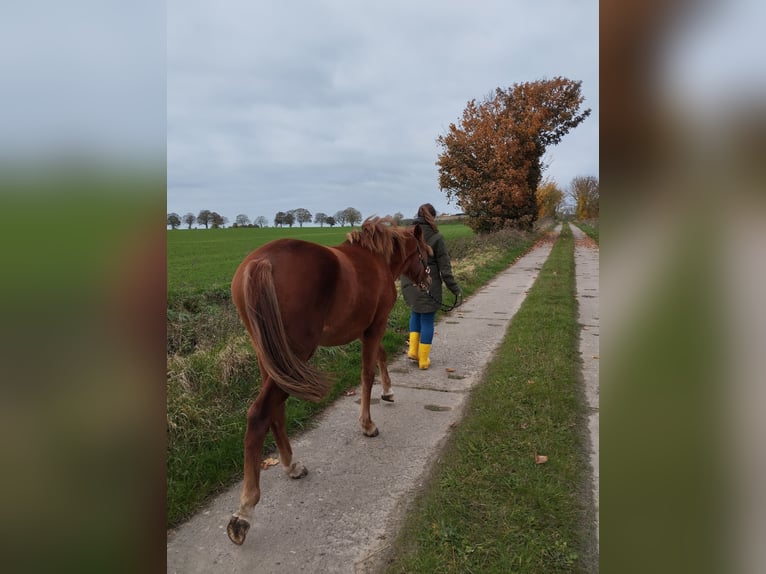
<point>213,374</point>
<point>490,507</point>
<point>590,229</point>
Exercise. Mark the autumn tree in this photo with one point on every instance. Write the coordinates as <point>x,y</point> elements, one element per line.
<point>289,219</point>
<point>491,163</point>
<point>330,221</point>
<point>549,197</point>
<point>241,220</point>
<point>320,218</point>
<point>173,220</point>
<point>584,191</point>
<point>204,217</point>
<point>261,221</point>
<point>189,219</point>
<point>279,219</point>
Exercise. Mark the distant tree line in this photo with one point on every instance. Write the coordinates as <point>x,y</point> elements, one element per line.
<point>350,216</point>
<point>583,192</point>
<point>212,220</point>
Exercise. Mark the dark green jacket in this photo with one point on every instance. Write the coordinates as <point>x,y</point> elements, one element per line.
<point>441,270</point>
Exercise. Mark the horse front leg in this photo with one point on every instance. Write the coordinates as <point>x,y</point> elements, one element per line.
<point>385,379</point>
<point>258,420</point>
<point>370,348</point>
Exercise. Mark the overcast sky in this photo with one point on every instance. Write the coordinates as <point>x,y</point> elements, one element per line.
<point>329,104</point>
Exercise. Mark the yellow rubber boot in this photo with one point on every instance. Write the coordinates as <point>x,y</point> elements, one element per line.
<point>414,342</point>
<point>423,351</point>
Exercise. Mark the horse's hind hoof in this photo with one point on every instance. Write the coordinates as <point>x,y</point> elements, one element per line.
<point>297,470</point>
<point>237,529</point>
<point>388,398</point>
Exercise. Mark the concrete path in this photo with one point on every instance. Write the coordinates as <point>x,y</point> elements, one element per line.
<point>344,516</point>
<point>587,273</point>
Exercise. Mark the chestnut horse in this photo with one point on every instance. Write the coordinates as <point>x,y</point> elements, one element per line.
<point>294,296</point>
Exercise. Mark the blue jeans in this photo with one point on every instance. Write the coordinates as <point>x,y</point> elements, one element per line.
<point>423,323</point>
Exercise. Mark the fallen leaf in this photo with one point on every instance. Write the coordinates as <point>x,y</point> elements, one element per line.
<point>350,393</point>
<point>530,382</point>
<point>267,462</point>
<point>596,356</point>
<point>524,426</point>
<point>450,370</point>
<point>540,458</point>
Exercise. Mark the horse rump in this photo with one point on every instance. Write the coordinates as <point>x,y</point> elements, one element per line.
<point>292,374</point>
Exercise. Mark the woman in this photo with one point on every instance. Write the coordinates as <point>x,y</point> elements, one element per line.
<point>425,304</point>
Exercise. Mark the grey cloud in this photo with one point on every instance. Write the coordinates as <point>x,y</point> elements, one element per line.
<point>273,104</point>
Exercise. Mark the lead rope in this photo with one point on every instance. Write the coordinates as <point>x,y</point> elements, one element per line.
<point>457,303</point>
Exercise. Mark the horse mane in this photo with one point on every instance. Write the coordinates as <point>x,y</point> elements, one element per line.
<point>380,235</point>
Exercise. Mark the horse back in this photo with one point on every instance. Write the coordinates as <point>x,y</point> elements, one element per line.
<point>326,295</point>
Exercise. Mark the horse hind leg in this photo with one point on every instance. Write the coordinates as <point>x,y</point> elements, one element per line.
<point>293,469</point>
<point>258,421</point>
<point>385,379</point>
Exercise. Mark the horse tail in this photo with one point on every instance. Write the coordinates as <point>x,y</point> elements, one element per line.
<point>291,373</point>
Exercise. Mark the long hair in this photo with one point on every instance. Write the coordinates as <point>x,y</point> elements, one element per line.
<point>428,214</point>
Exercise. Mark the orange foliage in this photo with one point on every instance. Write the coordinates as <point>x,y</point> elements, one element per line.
<point>549,197</point>
<point>585,192</point>
<point>492,162</point>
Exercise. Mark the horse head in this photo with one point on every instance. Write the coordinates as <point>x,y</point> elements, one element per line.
<point>404,249</point>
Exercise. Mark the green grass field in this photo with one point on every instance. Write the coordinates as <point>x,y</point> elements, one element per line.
<point>204,260</point>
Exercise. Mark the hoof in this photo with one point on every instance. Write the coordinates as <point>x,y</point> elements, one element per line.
<point>388,398</point>
<point>237,529</point>
<point>297,470</point>
<point>375,432</point>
